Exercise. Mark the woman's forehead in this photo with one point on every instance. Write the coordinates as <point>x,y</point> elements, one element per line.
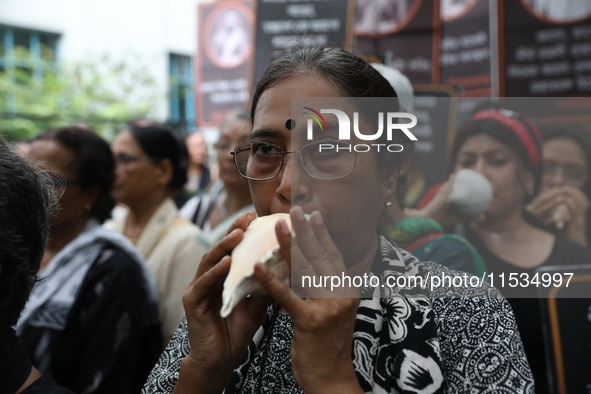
<point>278,97</point>
<point>125,140</point>
<point>484,142</point>
<point>283,107</point>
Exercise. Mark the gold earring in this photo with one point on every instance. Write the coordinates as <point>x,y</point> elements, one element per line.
<point>388,203</point>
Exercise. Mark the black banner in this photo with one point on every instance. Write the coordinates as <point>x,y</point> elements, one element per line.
<point>545,48</point>
<point>466,46</point>
<point>281,24</point>
<point>224,50</point>
<point>403,34</point>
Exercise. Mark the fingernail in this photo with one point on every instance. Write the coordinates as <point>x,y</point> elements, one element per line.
<point>262,268</point>
<point>234,233</point>
<point>316,218</point>
<point>299,213</point>
<point>283,227</point>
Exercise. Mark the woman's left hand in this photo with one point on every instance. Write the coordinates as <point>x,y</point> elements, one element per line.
<point>578,205</point>
<point>321,353</point>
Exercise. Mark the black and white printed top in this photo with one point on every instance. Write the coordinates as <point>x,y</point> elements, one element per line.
<point>406,340</point>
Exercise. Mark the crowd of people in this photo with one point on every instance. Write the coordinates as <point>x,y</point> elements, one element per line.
<point>111,281</point>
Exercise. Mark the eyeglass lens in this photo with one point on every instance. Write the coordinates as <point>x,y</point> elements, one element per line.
<point>321,160</point>
<point>570,173</point>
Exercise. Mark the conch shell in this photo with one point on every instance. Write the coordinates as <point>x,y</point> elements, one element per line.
<point>258,245</point>
<point>471,193</point>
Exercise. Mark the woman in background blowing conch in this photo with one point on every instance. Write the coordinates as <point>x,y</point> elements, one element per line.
<point>563,201</point>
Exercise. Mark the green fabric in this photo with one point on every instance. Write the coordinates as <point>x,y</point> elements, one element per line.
<point>450,250</point>
<point>407,230</point>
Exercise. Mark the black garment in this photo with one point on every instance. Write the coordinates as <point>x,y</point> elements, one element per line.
<point>15,365</point>
<point>528,311</point>
<point>205,179</point>
<point>15,368</point>
<point>106,346</point>
<point>43,386</point>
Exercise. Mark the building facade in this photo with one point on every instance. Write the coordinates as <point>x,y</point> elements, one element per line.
<point>161,34</point>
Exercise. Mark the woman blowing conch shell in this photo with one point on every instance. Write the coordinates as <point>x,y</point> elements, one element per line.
<point>376,341</point>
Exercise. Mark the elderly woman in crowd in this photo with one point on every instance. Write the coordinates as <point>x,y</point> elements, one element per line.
<point>391,339</point>
<point>215,211</point>
<point>148,167</point>
<point>198,174</point>
<point>91,323</point>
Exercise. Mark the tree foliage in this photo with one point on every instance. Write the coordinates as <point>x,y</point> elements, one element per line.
<point>102,92</point>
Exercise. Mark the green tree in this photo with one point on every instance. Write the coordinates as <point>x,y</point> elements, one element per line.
<point>103,93</point>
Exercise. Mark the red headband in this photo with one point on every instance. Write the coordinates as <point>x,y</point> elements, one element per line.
<point>521,131</point>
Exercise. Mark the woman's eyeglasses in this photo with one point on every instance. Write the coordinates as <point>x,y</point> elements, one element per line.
<point>262,161</point>
<point>570,174</point>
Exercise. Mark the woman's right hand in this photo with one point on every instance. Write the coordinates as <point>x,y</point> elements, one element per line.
<point>216,342</point>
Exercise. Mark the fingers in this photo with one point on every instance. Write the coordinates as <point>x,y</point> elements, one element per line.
<point>324,238</point>
<point>580,201</point>
<point>207,284</point>
<point>284,239</point>
<point>313,248</point>
<point>278,291</point>
<point>546,206</point>
<point>242,221</point>
<point>218,251</point>
<point>545,202</point>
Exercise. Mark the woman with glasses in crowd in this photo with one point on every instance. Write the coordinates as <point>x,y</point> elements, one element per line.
<point>149,164</point>
<point>563,201</point>
<point>215,211</point>
<point>385,339</point>
<point>91,323</point>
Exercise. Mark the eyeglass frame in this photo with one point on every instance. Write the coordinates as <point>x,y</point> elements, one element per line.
<point>283,153</point>
<point>550,170</point>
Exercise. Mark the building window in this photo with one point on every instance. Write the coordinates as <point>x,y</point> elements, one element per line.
<point>182,107</point>
<point>25,54</point>
<point>28,51</point>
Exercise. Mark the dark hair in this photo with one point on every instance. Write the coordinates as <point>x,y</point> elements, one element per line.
<point>349,73</point>
<point>504,134</point>
<point>235,115</point>
<point>25,208</point>
<point>93,165</point>
<point>159,142</point>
